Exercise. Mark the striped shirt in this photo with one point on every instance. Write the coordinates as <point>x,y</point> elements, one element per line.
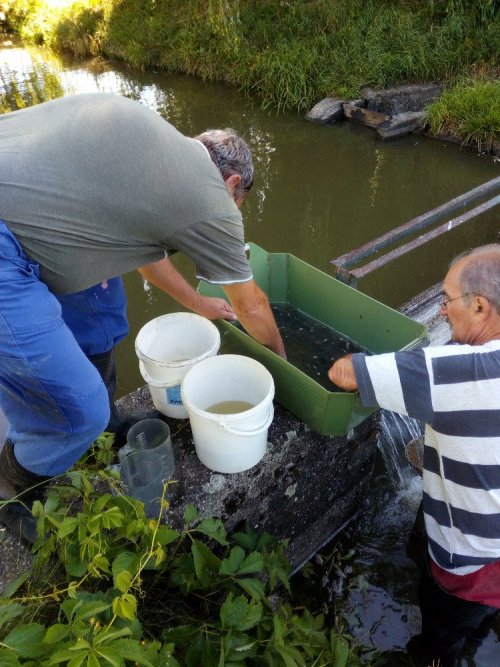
<point>455,390</point>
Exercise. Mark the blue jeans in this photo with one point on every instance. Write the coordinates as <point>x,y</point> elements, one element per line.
<point>53,397</point>
<point>96,316</point>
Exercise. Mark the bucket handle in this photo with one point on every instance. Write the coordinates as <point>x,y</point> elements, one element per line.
<point>257,431</point>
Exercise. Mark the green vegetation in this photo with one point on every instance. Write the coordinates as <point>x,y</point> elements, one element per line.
<point>470,110</point>
<point>288,54</point>
<point>112,587</point>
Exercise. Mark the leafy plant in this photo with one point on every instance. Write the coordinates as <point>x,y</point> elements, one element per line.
<point>110,586</point>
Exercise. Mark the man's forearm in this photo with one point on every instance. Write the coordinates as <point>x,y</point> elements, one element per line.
<point>254,312</point>
<point>165,276</point>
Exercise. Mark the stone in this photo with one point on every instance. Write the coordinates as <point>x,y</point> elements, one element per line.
<point>364,116</point>
<point>327,110</point>
<point>361,102</point>
<point>402,124</point>
<point>400,99</point>
<point>306,488</point>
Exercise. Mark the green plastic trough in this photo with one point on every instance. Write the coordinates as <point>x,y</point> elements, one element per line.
<point>368,323</point>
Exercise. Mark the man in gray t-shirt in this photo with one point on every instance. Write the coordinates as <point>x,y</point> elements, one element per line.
<point>93,186</point>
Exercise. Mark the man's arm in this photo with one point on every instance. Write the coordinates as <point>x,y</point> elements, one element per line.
<point>164,275</point>
<point>254,312</point>
<point>342,373</point>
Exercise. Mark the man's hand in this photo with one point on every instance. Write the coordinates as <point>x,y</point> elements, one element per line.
<point>342,373</point>
<point>213,308</point>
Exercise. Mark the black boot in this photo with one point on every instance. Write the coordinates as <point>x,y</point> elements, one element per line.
<point>26,487</point>
<point>118,424</point>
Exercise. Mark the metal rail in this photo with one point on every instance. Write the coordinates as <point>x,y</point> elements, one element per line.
<point>344,263</point>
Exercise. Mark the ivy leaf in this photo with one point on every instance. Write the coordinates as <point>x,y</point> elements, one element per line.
<point>231,565</point>
<point>14,585</point>
<point>213,528</point>
<point>179,635</point>
<point>75,565</point>
<point>67,526</point>
<point>166,535</point>
<point>206,563</point>
<point>56,633</point>
<point>131,650</point>
<point>92,661</point>
<point>340,650</point>
<point>291,656</point>
<point>252,563</point>
<point>126,560</point>
<point>248,539</point>
<point>8,658</point>
<point>202,652</point>
<point>98,504</point>
<point>254,587</point>
<point>190,514</point>
<point>111,656</point>
<point>125,606</point>
<point>88,609</point>
<point>26,640</point>
<point>239,613</point>
<point>9,611</point>
<point>122,581</point>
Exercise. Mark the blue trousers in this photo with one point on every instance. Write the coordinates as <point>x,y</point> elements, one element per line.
<point>52,395</point>
<point>96,316</point>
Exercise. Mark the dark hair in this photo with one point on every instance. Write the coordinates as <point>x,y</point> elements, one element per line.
<point>231,155</point>
<point>481,273</point>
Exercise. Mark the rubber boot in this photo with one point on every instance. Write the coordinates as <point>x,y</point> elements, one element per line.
<point>118,424</point>
<point>26,487</point>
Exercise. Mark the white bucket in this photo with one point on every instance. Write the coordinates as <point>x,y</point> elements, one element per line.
<point>229,442</point>
<point>167,347</point>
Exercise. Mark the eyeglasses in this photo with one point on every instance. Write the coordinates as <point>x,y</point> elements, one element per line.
<point>445,301</point>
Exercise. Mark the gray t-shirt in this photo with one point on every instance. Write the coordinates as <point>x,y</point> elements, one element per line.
<point>96,185</point>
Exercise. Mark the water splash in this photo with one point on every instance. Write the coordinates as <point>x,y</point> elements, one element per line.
<point>148,291</point>
<point>395,432</point>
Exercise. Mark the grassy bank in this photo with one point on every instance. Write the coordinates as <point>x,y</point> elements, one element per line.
<point>287,54</point>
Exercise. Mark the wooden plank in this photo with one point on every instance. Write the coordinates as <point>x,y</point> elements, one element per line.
<point>364,116</point>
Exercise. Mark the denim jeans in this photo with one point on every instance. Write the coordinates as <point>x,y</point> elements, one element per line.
<point>96,316</point>
<point>448,622</point>
<point>51,394</point>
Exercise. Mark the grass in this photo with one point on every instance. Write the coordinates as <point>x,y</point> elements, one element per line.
<point>470,110</point>
<point>286,54</point>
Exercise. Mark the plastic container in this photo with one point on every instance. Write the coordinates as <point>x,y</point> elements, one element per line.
<point>167,347</point>
<point>370,324</point>
<point>229,442</point>
<point>147,462</point>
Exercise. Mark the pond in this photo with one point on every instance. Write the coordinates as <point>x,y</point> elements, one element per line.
<point>320,191</point>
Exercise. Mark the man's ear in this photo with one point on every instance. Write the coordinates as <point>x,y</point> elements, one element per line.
<point>232,182</point>
<point>481,305</point>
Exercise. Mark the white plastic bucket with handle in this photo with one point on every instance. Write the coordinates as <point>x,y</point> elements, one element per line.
<point>167,347</point>
<point>229,442</point>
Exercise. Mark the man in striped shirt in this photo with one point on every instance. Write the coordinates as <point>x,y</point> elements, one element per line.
<point>455,390</point>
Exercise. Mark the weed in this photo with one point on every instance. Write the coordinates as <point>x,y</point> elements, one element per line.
<point>470,110</point>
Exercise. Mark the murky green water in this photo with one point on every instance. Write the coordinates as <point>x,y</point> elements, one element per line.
<point>320,191</point>
<point>310,345</point>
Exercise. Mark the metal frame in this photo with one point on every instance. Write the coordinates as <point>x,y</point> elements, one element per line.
<point>344,263</point>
